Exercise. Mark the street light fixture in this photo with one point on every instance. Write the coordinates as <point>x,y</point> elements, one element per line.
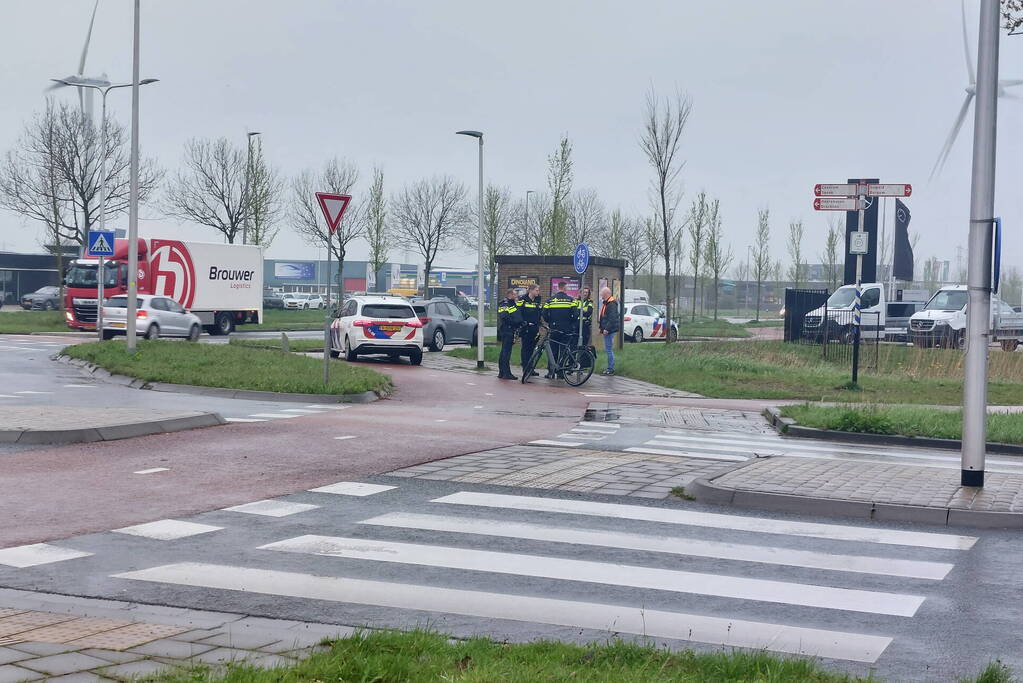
<point>479,255</point>
<point>247,200</point>
<point>103,87</point>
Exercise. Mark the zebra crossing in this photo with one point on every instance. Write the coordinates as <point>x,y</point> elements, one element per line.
<point>586,433</point>
<point>376,555</point>
<point>286,413</point>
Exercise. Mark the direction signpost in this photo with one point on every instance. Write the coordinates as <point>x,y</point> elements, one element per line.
<point>333,207</point>
<point>101,243</point>
<point>853,197</point>
<point>581,261</point>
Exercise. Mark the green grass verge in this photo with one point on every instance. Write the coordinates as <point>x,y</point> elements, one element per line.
<point>708,327</point>
<point>274,343</point>
<point>421,657</point>
<point>26,322</point>
<point>228,365</point>
<point>276,319</point>
<point>902,420</point>
<point>764,323</point>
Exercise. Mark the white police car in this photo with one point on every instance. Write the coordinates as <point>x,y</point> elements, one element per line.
<point>644,321</point>
<point>374,324</point>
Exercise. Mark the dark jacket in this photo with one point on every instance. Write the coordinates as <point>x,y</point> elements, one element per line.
<point>561,312</point>
<point>509,316</point>
<point>530,309</point>
<point>585,308</point>
<point>609,318</point>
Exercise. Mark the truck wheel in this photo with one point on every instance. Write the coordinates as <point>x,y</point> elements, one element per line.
<point>223,324</point>
<point>350,354</point>
<point>193,334</point>
<point>959,340</point>
<point>437,343</point>
<point>416,357</point>
<point>1010,345</point>
<point>153,332</point>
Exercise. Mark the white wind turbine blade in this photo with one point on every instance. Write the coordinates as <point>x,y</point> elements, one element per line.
<point>966,49</point>
<point>85,53</point>
<point>1009,82</point>
<point>947,148</point>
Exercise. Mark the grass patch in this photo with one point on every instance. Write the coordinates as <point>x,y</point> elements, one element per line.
<point>421,657</point>
<point>491,353</point>
<point>230,366</point>
<point>764,323</point>
<point>277,319</point>
<point>708,327</point>
<point>680,492</point>
<point>26,322</point>
<point>903,420</point>
<point>274,343</point>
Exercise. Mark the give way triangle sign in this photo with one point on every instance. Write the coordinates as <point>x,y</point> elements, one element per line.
<point>333,207</point>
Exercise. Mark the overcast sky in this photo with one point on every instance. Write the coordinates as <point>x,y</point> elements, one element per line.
<point>785,94</point>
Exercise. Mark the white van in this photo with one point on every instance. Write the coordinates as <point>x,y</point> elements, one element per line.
<point>636,296</point>
<point>942,322</point>
<point>881,318</point>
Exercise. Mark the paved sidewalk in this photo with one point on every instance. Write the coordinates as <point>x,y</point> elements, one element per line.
<point>874,489</point>
<point>54,637</point>
<point>38,424</point>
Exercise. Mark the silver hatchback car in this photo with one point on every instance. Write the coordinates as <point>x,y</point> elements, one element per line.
<point>156,316</point>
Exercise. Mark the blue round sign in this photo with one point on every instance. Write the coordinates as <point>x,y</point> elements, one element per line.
<point>581,259</point>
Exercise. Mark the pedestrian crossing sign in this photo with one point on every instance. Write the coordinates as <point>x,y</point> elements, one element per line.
<point>101,243</point>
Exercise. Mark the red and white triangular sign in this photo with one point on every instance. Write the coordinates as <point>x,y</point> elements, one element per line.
<point>333,207</point>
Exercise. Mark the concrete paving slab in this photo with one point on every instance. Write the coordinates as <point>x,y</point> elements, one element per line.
<point>69,662</point>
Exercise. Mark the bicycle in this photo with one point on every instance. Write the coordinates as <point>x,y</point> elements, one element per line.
<point>576,365</point>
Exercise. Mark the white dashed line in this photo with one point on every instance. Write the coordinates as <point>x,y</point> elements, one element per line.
<point>167,529</point>
<point>273,415</point>
<point>440,420</point>
<point>302,410</point>
<point>342,438</point>
<point>548,442</point>
<point>33,392</point>
<point>244,419</point>
<point>153,470</point>
<point>79,386</point>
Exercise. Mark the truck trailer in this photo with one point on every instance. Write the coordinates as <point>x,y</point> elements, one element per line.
<point>220,283</point>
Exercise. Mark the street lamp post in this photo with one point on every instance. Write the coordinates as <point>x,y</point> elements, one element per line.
<point>479,255</point>
<point>104,87</point>
<point>749,255</point>
<point>248,191</point>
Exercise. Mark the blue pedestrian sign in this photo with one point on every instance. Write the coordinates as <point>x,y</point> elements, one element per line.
<point>581,259</point>
<point>101,243</point>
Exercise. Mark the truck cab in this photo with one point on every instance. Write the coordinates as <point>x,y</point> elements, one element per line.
<point>82,282</point>
<point>942,322</point>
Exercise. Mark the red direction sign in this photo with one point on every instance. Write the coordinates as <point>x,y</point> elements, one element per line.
<point>333,207</point>
<point>889,190</point>
<point>837,204</point>
<point>835,190</point>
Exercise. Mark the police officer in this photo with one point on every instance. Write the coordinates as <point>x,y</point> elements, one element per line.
<point>509,320</point>
<point>585,305</point>
<point>560,312</point>
<point>529,306</point>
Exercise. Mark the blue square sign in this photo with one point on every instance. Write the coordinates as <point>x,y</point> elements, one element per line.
<point>101,243</point>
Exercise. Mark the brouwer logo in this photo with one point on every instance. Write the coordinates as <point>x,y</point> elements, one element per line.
<point>172,271</point>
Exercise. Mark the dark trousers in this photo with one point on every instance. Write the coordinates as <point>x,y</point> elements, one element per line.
<point>529,333</point>
<point>564,336</point>
<point>504,360</point>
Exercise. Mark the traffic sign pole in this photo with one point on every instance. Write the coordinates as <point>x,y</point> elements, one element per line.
<point>856,305</point>
<point>333,207</point>
<point>326,318</point>
<point>99,301</point>
<point>581,261</point>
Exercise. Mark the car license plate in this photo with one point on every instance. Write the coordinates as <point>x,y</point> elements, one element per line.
<point>390,328</point>
<point>117,325</point>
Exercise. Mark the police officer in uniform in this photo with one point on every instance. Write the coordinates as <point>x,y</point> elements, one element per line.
<point>509,320</point>
<point>529,306</point>
<point>560,312</point>
<point>585,305</point>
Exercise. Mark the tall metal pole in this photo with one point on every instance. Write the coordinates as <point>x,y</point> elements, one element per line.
<point>856,306</point>
<point>133,196</point>
<point>479,272</point>
<point>102,211</point>
<point>326,319</point>
<point>982,205</point>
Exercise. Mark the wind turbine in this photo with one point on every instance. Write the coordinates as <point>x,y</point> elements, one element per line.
<point>971,90</point>
<point>85,101</point>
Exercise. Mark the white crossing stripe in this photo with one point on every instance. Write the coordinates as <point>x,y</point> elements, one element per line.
<point>353,488</point>
<point>886,566</point>
<point>33,392</point>
<point>8,396</point>
<point>271,508</point>
<point>584,437</point>
<point>37,553</point>
<point>687,454</point>
<point>639,621</point>
<point>325,407</point>
<point>838,532</point>
<point>606,425</point>
<point>79,386</point>
<point>591,430</point>
<point>153,470</point>
<point>344,438</point>
<point>244,419</point>
<point>167,529</point>
<point>738,587</point>
<point>551,442</point>
<point>273,415</point>
<point>302,410</point>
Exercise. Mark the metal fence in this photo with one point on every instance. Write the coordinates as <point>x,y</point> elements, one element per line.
<point>834,332</point>
<point>799,302</point>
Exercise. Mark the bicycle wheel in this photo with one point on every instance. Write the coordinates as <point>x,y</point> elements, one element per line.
<point>579,368</point>
<point>527,369</point>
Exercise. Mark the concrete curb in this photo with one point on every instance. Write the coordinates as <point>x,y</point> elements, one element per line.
<point>706,491</point>
<point>247,394</point>
<point>788,427</point>
<point>110,432</point>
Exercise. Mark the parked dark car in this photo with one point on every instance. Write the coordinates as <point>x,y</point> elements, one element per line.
<point>272,299</point>
<point>43,299</point>
<point>444,323</point>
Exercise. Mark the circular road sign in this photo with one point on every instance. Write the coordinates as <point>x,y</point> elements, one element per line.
<point>581,258</point>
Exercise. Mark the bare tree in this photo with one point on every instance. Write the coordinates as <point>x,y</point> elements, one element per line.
<point>498,235</point>
<point>1012,16</point>
<point>634,247</point>
<point>742,272</point>
<point>266,198</point>
<point>797,269</point>
<point>535,227</point>
<point>832,245</point>
<point>338,177</point>
<point>377,231</point>
<point>1012,287</point>
<point>654,247</point>
<point>663,125</point>
<point>53,173</point>
<point>697,224</point>
<point>586,217</point>
<point>762,253</point>
<point>717,256</point>
<point>611,241</point>
<point>428,214</point>
<point>559,186</point>
<point>210,190</point>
